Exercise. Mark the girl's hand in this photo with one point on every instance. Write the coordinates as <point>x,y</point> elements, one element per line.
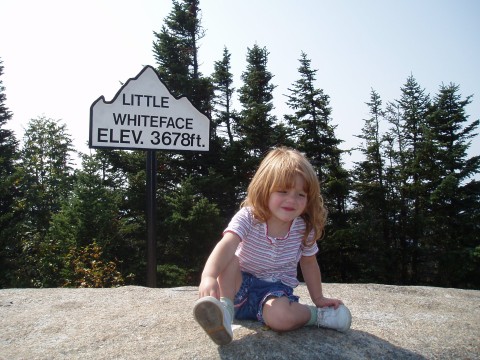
<point>209,287</point>
<point>324,302</point>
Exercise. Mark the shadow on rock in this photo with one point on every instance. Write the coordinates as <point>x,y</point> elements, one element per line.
<point>311,343</point>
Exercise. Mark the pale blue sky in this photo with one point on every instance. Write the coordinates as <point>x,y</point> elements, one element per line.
<point>60,56</point>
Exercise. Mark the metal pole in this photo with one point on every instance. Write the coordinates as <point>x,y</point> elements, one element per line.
<point>151,217</point>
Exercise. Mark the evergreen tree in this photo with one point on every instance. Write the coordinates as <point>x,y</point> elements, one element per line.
<point>311,122</point>
<point>370,200</point>
<point>92,216</point>
<point>397,184</point>
<point>453,203</point>
<point>46,180</point>
<point>227,118</point>
<point>8,191</point>
<point>47,169</point>
<point>225,115</point>
<point>257,126</point>
<point>193,227</point>
<point>408,116</point>
<point>176,52</point>
<point>8,155</point>
<point>314,135</point>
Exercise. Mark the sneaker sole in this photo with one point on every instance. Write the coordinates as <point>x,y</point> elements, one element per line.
<point>208,313</point>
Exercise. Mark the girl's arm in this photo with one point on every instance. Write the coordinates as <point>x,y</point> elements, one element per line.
<point>313,279</point>
<point>218,260</point>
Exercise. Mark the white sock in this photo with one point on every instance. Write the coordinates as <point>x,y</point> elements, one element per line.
<point>313,316</point>
<point>228,305</point>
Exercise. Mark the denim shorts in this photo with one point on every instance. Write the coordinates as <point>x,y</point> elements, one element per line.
<point>253,294</point>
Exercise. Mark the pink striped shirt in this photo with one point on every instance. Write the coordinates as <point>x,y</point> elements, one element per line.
<point>265,257</point>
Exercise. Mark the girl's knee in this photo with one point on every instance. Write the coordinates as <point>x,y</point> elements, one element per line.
<point>282,315</point>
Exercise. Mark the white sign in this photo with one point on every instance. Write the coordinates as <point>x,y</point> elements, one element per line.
<point>144,115</point>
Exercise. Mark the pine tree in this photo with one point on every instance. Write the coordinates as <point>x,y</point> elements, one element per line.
<point>408,117</point>
<point>93,217</point>
<point>47,168</point>
<point>257,126</point>
<point>397,183</point>
<point>8,151</point>
<point>370,200</point>
<point>176,52</point>
<point>8,191</point>
<point>47,175</point>
<point>222,79</point>
<point>192,225</point>
<point>454,197</point>
<point>314,135</point>
<point>229,177</point>
<point>311,122</point>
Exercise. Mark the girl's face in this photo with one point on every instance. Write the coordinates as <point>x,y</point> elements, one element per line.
<point>287,204</point>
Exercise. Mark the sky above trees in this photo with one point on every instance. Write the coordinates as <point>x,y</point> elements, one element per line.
<point>59,57</point>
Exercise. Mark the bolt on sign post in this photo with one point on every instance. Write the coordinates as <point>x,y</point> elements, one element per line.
<point>144,115</point>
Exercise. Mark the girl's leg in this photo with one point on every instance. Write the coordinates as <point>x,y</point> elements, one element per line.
<point>281,314</point>
<point>230,279</point>
<point>215,317</point>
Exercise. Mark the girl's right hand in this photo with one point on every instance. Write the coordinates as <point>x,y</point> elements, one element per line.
<point>209,287</point>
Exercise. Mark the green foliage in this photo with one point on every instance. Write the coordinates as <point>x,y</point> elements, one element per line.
<point>225,115</point>
<point>311,128</point>
<point>412,189</point>
<point>176,52</point>
<point>44,178</point>
<point>46,169</point>
<point>170,275</point>
<point>257,125</point>
<point>91,212</point>
<point>193,227</point>
<point>9,219</point>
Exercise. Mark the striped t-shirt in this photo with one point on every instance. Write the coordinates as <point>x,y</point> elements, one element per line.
<point>267,258</point>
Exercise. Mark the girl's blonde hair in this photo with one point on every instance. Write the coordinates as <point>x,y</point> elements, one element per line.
<point>277,171</point>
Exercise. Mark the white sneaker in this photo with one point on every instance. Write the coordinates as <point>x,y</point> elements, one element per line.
<point>338,319</point>
<point>214,319</point>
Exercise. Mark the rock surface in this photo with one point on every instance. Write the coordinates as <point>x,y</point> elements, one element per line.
<point>389,322</point>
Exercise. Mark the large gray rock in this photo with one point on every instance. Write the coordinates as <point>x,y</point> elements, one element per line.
<point>389,322</point>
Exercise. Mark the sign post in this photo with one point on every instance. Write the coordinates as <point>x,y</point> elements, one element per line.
<point>144,115</point>
<point>151,217</point>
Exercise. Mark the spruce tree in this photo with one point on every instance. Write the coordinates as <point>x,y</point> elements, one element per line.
<point>47,176</point>
<point>225,115</point>
<point>96,216</point>
<point>176,49</point>
<point>8,149</point>
<point>311,122</point>
<point>8,191</point>
<point>370,199</point>
<point>314,134</point>
<point>229,177</point>
<point>176,52</point>
<point>408,116</point>
<point>454,194</point>
<point>397,185</point>
<point>257,126</point>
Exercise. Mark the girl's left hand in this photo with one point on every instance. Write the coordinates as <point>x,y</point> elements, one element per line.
<point>324,302</point>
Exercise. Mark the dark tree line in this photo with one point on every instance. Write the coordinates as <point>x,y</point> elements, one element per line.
<point>408,213</point>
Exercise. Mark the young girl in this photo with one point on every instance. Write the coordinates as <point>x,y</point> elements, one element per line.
<point>252,270</point>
